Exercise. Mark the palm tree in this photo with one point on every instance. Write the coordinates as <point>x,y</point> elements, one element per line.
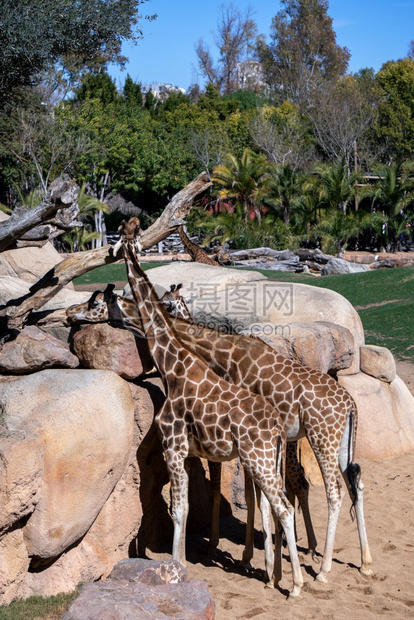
<point>392,198</point>
<point>336,228</point>
<point>285,190</point>
<point>244,181</point>
<point>79,238</point>
<point>337,187</point>
<point>89,207</point>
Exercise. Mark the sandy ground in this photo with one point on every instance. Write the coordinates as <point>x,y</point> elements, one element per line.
<point>388,593</point>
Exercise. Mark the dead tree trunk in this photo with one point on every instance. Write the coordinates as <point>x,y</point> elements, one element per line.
<point>63,193</point>
<point>16,311</point>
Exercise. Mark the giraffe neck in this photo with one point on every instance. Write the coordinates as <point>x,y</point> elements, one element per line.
<point>156,323</point>
<point>197,254</point>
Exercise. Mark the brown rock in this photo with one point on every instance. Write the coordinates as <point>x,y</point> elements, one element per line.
<point>34,350</point>
<point>127,595</point>
<point>104,347</point>
<point>385,416</point>
<point>378,362</point>
<point>14,563</point>
<point>83,422</point>
<point>30,263</point>
<point>320,345</point>
<point>134,517</point>
<point>21,470</point>
<point>150,572</point>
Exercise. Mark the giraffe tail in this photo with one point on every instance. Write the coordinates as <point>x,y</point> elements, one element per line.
<point>353,470</point>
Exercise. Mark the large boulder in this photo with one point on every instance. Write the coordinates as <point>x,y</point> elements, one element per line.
<point>385,416</point>
<point>323,346</point>
<point>378,362</point>
<point>144,589</point>
<point>34,350</point>
<point>197,277</point>
<point>340,266</point>
<point>83,423</point>
<point>55,308</point>
<point>21,475</point>
<point>134,516</point>
<point>104,347</point>
<point>13,288</point>
<point>249,299</point>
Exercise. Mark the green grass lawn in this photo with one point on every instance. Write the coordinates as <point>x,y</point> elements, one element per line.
<point>383,298</point>
<point>38,607</point>
<point>110,273</point>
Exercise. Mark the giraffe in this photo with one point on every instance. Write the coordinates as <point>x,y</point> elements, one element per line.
<point>107,306</point>
<point>197,254</point>
<point>206,416</point>
<point>174,303</point>
<point>313,403</point>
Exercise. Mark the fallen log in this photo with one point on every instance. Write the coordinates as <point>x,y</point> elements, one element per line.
<point>16,312</point>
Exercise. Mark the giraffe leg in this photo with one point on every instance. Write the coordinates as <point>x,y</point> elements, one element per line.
<point>249,496</point>
<point>328,460</point>
<point>283,513</point>
<point>272,561</point>
<point>298,486</point>
<point>270,483</point>
<point>215,485</point>
<point>352,475</point>
<point>179,502</point>
<point>335,494</point>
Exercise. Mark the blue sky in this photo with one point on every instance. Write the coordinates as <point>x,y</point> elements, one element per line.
<point>374,31</point>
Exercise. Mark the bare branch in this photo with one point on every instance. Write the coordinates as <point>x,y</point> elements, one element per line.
<point>17,311</point>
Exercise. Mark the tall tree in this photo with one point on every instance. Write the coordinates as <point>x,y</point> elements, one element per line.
<point>36,34</point>
<point>234,39</point>
<point>132,92</point>
<point>302,53</point>
<point>395,126</point>
<point>342,117</point>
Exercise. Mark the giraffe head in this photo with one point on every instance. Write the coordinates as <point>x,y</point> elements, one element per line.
<point>129,232</point>
<point>175,303</point>
<point>95,310</point>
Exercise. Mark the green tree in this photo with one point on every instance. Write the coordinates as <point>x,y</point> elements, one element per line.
<point>97,86</point>
<point>394,129</point>
<point>335,186</point>
<point>35,35</point>
<point>245,181</point>
<point>132,92</point>
<point>335,229</point>
<point>302,54</point>
<point>285,191</point>
<point>392,199</point>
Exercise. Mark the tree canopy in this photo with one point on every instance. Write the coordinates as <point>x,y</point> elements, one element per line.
<point>35,34</point>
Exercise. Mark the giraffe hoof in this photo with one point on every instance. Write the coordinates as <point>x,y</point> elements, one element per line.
<point>315,557</point>
<point>321,577</point>
<point>270,585</point>
<point>367,572</point>
<point>294,597</point>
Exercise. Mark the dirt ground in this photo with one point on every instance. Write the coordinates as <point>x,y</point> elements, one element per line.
<point>388,593</point>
